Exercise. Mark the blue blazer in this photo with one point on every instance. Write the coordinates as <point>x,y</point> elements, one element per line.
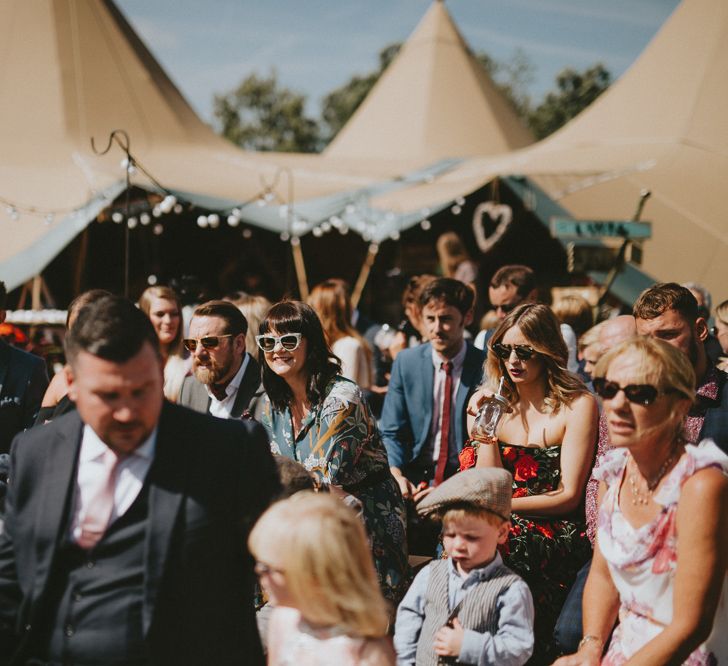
<point>407,414</point>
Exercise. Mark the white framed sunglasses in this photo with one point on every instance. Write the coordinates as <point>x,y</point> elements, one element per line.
<point>289,341</point>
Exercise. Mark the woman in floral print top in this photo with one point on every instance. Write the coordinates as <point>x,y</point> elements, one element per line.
<point>547,442</point>
<point>322,420</point>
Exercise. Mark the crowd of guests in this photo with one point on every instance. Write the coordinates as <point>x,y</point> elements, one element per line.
<point>402,537</point>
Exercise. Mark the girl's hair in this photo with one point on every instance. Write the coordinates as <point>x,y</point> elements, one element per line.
<point>590,337</point>
<point>541,329</point>
<point>254,308</point>
<point>451,252</point>
<point>331,301</point>
<point>166,294</point>
<point>322,548</point>
<point>321,365</point>
<point>721,312</point>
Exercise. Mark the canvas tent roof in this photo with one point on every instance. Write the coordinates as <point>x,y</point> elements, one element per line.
<point>663,126</point>
<point>434,101</point>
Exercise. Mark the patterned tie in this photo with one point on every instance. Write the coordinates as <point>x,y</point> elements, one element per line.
<point>442,458</point>
<point>101,502</point>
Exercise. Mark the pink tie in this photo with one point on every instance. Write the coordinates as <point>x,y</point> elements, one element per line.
<point>101,502</point>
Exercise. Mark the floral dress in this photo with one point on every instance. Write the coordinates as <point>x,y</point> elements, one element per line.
<point>546,552</point>
<point>339,442</point>
<point>642,561</point>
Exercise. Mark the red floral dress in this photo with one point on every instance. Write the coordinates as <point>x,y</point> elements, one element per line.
<point>546,552</point>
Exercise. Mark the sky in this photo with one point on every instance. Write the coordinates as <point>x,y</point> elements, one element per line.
<point>314,46</point>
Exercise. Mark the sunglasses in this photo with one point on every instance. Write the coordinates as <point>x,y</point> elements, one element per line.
<point>641,394</point>
<point>506,307</point>
<point>289,341</point>
<point>523,352</point>
<point>208,342</point>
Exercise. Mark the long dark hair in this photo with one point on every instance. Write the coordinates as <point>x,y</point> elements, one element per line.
<point>321,364</point>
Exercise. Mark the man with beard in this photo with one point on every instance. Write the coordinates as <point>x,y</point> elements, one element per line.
<point>226,381</point>
<point>671,313</point>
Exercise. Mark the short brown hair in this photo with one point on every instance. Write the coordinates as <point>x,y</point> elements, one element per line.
<point>664,296</point>
<point>451,292</point>
<point>521,277</point>
<point>235,321</point>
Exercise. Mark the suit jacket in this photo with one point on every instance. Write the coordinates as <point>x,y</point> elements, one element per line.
<point>209,481</point>
<point>23,381</point>
<point>194,394</point>
<point>407,415</point>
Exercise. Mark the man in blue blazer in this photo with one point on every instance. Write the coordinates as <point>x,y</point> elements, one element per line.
<point>23,381</point>
<point>423,446</point>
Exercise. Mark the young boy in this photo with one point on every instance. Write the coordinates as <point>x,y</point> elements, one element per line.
<point>469,607</point>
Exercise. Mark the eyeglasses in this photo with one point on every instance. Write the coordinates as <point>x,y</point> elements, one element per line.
<point>641,394</point>
<point>208,342</point>
<point>523,352</point>
<point>263,569</point>
<point>289,341</point>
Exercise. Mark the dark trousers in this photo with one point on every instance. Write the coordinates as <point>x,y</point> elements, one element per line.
<point>568,630</point>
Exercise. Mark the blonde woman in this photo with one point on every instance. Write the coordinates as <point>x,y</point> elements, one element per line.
<point>162,306</point>
<point>314,562</point>
<point>547,442</point>
<point>721,332</point>
<point>331,301</point>
<point>661,552</point>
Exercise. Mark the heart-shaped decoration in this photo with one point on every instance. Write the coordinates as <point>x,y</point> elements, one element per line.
<point>500,217</point>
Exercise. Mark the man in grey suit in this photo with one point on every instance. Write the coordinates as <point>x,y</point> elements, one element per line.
<point>23,381</point>
<point>226,379</point>
<point>127,519</point>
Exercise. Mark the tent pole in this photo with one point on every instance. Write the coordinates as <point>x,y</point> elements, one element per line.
<point>364,274</point>
<point>300,268</point>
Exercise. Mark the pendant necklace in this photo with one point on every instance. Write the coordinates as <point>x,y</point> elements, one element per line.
<point>638,497</point>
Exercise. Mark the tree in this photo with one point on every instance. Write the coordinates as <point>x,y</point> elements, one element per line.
<point>260,114</point>
<point>340,104</point>
<point>512,77</point>
<point>575,91</point>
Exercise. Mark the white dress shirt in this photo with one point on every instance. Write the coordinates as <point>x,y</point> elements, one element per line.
<point>130,475</point>
<point>223,408</point>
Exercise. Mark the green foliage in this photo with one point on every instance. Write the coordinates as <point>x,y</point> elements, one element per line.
<point>575,91</point>
<point>260,114</point>
<point>339,105</point>
<point>512,77</point>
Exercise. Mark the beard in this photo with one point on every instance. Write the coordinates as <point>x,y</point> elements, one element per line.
<point>210,374</point>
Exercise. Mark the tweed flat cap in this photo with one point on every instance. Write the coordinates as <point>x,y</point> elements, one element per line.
<point>488,488</point>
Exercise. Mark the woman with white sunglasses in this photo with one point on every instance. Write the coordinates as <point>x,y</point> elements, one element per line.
<point>547,441</point>
<point>661,551</point>
<point>320,419</point>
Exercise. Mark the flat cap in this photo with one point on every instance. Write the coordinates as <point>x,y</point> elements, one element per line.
<point>487,488</point>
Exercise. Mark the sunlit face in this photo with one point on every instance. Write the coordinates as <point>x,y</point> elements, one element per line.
<point>289,365</point>
<point>504,299</point>
<point>445,326</point>
<point>166,319</point>
<point>520,371</point>
<point>121,402</point>
<point>722,334</point>
<point>216,365</point>
<point>471,541</point>
<point>590,356</point>
<point>674,329</point>
<point>631,423</point>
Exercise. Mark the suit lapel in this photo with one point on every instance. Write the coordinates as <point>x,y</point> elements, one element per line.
<point>427,377</point>
<point>167,480</point>
<point>248,386</point>
<point>4,362</point>
<point>57,488</point>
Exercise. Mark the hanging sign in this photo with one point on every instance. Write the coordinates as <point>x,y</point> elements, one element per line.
<point>566,227</point>
<point>490,222</point>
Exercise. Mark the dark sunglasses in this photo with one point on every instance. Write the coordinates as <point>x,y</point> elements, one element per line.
<point>208,342</point>
<point>289,341</point>
<point>506,307</point>
<point>523,352</point>
<point>641,394</point>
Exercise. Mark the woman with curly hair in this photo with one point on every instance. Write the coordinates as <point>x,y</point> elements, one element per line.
<point>547,442</point>
<point>320,419</point>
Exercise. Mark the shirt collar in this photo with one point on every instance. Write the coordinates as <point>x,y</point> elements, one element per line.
<point>93,447</point>
<point>234,383</point>
<point>481,573</point>
<point>457,361</point>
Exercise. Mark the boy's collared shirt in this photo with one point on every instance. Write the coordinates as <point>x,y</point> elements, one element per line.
<point>511,645</point>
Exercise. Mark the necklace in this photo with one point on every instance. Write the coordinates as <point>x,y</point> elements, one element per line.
<point>638,497</point>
